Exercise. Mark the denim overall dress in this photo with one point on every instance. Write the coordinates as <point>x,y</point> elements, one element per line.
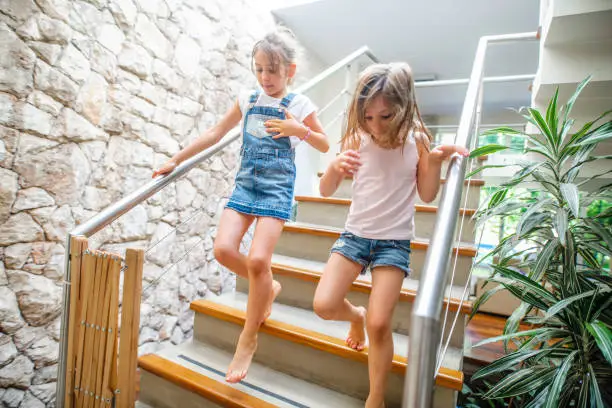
<point>266,178</point>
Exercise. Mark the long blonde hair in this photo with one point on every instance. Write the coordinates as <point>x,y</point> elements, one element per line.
<point>394,82</point>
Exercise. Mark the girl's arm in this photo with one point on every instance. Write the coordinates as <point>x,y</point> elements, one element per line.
<point>205,140</point>
<point>345,164</point>
<point>317,138</point>
<point>292,127</point>
<point>430,165</point>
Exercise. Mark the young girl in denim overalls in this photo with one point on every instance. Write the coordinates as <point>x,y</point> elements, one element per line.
<point>274,122</point>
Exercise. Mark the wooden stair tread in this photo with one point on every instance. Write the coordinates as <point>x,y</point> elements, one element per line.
<point>323,231</point>
<point>202,385</point>
<point>206,365</point>
<point>472,182</point>
<point>447,377</point>
<point>364,286</point>
<point>347,202</point>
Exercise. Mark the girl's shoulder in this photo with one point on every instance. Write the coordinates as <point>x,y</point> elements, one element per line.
<point>421,140</point>
<point>300,98</point>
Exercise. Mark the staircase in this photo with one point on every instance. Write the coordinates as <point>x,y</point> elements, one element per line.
<point>302,360</point>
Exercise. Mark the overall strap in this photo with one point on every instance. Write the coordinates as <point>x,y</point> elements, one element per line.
<point>253,99</point>
<point>254,96</point>
<point>287,100</point>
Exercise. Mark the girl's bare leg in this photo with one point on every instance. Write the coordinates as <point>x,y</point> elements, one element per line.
<point>261,293</point>
<point>330,298</point>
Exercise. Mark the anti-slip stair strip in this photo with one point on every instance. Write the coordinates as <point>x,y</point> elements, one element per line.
<point>243,382</point>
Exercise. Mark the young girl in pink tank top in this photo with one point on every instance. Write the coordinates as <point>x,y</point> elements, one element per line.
<point>386,148</point>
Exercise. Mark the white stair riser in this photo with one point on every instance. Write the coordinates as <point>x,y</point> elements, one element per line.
<point>320,367</point>
<point>316,248</point>
<point>345,191</point>
<point>334,215</point>
<point>300,293</point>
<point>160,393</point>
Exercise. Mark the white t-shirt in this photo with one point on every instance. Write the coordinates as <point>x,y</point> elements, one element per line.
<point>300,107</point>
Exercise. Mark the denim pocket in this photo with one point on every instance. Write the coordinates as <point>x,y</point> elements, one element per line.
<point>403,244</point>
<point>256,125</point>
<point>287,165</point>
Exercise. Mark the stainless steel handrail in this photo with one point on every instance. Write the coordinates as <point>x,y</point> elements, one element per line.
<point>425,320</point>
<point>114,211</point>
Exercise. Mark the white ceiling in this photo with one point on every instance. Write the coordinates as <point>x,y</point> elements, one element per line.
<point>436,37</point>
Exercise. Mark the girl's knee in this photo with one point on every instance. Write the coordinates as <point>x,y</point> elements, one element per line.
<point>223,252</point>
<point>378,327</point>
<point>325,308</point>
<point>258,264</point>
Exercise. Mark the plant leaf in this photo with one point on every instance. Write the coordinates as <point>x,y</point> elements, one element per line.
<point>534,208</point>
<point>550,187</point>
<point>525,333</point>
<point>539,399</point>
<point>595,393</point>
<point>603,233</point>
<point>567,151</point>
<point>603,337</point>
<point>486,150</point>
<point>572,100</point>
<point>521,382</point>
<point>543,127</point>
<point>601,308</point>
<point>559,381</point>
<point>558,307</point>
<point>501,130</point>
<point>483,299</point>
<point>528,283</point>
<point>541,151</point>
<point>544,259</point>
<point>481,168</point>
<point>597,248</point>
<point>570,194</point>
<point>498,197</point>
<point>602,133</point>
<point>561,224</point>
<point>506,362</point>
<point>526,297</point>
<point>580,163</point>
<point>551,115</point>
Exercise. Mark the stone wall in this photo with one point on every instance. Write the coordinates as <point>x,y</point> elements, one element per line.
<point>93,96</point>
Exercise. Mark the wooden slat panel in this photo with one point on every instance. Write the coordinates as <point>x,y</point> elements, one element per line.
<point>98,351</point>
<point>77,246</point>
<point>130,322</point>
<point>87,283</point>
<point>110,357</point>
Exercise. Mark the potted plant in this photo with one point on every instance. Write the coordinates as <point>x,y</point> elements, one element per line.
<point>564,358</point>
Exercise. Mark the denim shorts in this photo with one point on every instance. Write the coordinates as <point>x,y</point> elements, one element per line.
<point>374,252</point>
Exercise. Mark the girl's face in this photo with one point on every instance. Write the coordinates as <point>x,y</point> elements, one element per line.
<point>273,80</point>
<point>378,115</point>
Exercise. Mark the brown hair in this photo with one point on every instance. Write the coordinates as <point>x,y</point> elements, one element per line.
<point>394,82</point>
<point>280,46</point>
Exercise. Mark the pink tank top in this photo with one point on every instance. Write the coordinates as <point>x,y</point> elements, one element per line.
<point>384,191</point>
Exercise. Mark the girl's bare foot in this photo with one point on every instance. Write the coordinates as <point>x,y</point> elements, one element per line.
<point>237,371</point>
<point>356,337</point>
<point>276,288</point>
